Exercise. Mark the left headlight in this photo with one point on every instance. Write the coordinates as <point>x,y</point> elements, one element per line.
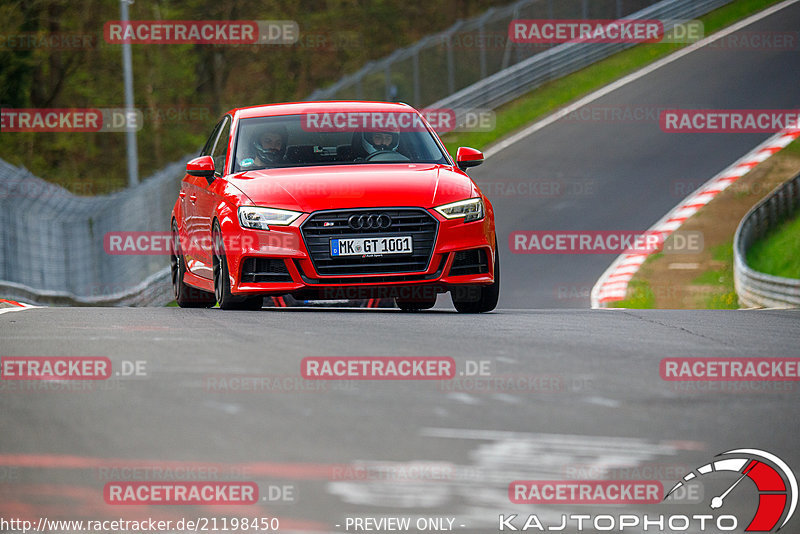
<point>260,218</point>
<point>471,209</point>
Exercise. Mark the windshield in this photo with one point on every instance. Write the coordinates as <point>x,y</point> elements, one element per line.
<point>335,139</point>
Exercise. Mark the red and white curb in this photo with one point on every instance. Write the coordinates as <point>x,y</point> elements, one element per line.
<point>612,286</point>
<point>7,305</point>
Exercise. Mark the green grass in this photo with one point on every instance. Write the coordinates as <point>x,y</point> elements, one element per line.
<point>723,295</point>
<point>793,148</point>
<point>556,94</point>
<point>778,253</point>
<point>640,296</point>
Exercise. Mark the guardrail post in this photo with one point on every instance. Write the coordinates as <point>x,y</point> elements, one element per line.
<point>481,40</point>
<point>415,66</point>
<point>772,218</point>
<point>507,48</point>
<point>451,68</point>
<point>517,47</point>
<point>388,81</point>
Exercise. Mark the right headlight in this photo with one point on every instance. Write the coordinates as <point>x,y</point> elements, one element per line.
<point>260,218</point>
<point>471,209</point>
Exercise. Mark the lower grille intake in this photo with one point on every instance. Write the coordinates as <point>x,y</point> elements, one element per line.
<point>470,262</point>
<point>256,270</point>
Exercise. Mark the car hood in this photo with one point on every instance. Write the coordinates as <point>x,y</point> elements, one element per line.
<point>355,186</point>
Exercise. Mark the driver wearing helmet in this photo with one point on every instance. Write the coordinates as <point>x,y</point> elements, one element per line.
<point>380,141</point>
<point>268,147</point>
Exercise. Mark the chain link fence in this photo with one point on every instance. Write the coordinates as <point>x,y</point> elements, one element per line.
<point>469,51</point>
<point>52,242</point>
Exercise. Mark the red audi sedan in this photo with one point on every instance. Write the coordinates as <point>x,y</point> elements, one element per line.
<point>332,200</point>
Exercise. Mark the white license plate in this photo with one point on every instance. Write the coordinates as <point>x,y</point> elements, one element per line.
<point>377,246</point>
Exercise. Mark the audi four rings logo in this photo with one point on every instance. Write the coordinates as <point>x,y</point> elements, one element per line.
<point>368,221</point>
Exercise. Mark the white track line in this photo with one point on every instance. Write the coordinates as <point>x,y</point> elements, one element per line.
<point>535,127</point>
<point>22,306</point>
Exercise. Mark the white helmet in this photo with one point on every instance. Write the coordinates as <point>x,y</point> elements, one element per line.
<point>387,140</point>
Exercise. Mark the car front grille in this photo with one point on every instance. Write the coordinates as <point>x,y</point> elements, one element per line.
<point>321,227</point>
<point>256,270</point>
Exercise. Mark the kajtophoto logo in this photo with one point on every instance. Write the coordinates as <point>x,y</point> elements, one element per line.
<point>774,480</point>
<point>774,502</point>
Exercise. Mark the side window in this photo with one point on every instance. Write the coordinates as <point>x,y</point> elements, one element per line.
<point>213,137</point>
<point>221,148</point>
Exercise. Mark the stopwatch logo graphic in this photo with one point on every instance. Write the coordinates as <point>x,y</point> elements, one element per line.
<point>774,480</point>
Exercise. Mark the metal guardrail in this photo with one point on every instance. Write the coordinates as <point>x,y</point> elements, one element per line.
<point>508,84</point>
<point>476,66</point>
<point>756,289</point>
<point>469,51</point>
<point>155,290</point>
<point>51,242</point>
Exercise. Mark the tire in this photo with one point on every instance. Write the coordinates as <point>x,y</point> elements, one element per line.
<point>479,299</point>
<point>222,280</point>
<point>414,305</point>
<point>185,295</point>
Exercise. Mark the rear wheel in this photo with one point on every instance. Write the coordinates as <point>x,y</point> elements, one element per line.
<point>479,299</point>
<point>185,295</point>
<point>222,279</point>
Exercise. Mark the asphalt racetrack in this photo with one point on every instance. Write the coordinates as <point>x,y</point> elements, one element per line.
<point>610,167</point>
<point>569,395</point>
<point>540,393</point>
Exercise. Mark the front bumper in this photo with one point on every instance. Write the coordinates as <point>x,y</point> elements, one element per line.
<point>299,275</point>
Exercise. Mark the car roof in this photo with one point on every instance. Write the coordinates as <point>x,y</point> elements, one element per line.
<point>299,108</point>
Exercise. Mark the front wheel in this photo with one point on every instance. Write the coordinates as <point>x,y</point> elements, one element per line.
<point>222,279</point>
<point>478,299</point>
<point>185,295</point>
